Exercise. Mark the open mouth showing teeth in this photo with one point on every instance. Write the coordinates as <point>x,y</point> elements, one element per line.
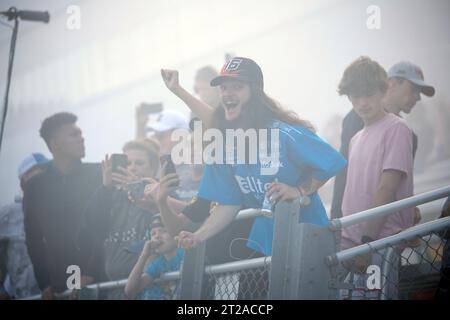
<point>229,105</point>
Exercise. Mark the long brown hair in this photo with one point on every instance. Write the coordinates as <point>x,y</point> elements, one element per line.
<point>258,113</point>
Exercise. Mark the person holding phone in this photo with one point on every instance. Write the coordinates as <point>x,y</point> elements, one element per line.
<point>166,123</point>
<point>121,219</point>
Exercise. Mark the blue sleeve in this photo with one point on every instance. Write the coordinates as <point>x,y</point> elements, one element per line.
<point>306,149</point>
<point>154,269</point>
<point>219,185</point>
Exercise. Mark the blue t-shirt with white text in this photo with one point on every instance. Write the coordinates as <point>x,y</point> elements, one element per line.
<point>302,155</point>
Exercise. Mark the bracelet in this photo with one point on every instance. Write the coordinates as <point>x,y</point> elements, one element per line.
<point>304,199</point>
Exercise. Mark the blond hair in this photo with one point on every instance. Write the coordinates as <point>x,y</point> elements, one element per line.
<point>149,145</point>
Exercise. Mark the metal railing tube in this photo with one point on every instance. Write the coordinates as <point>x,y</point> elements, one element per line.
<point>390,208</point>
<point>407,234</point>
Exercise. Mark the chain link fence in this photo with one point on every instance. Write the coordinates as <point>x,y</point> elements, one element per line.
<point>249,284</point>
<point>306,262</point>
<point>408,270</point>
<point>161,290</point>
<point>246,284</point>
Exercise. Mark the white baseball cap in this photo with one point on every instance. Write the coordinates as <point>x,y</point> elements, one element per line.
<point>168,120</point>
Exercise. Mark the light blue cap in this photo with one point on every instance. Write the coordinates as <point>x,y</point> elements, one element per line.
<point>413,73</point>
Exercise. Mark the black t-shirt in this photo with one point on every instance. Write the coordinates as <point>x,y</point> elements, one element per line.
<point>53,206</point>
<point>229,244</point>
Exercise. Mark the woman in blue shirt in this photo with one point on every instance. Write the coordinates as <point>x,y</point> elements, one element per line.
<point>303,158</point>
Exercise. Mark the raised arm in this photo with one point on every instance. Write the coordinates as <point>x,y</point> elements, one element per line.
<point>138,280</point>
<point>198,107</point>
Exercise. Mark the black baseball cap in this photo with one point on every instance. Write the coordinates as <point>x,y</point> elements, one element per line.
<point>240,68</point>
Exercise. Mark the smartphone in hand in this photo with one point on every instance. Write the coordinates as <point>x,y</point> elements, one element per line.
<point>119,160</point>
<point>170,167</point>
<point>137,189</point>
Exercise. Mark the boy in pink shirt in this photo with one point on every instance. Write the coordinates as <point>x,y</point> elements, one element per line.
<point>380,160</point>
<point>380,167</point>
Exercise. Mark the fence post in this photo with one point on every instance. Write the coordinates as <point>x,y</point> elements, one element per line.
<point>192,273</point>
<point>315,277</point>
<point>280,275</point>
<point>298,269</point>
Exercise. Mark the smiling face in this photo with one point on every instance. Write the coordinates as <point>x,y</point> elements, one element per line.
<point>369,108</point>
<point>234,95</point>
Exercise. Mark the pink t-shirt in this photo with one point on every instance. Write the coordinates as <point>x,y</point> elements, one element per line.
<point>386,144</point>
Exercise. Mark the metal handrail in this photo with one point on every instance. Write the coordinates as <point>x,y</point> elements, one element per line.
<point>390,208</point>
<point>416,231</point>
<point>175,275</point>
<point>168,276</point>
<point>238,265</point>
<point>226,267</point>
<point>336,224</point>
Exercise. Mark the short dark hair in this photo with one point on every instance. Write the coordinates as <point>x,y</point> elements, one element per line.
<point>52,124</point>
<point>363,77</point>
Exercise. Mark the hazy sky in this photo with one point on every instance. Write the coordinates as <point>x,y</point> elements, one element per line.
<point>111,64</point>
